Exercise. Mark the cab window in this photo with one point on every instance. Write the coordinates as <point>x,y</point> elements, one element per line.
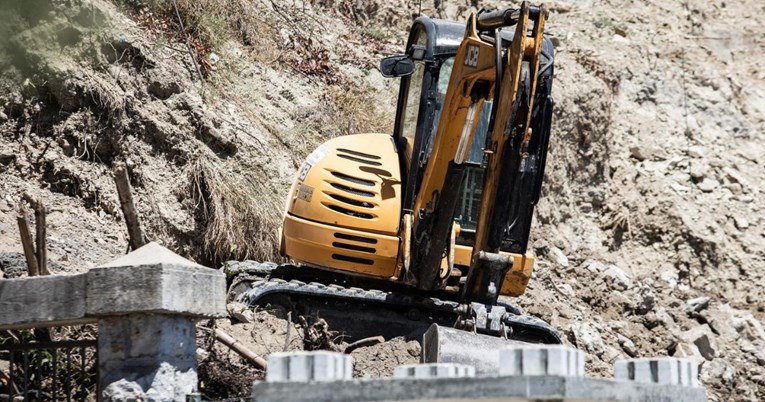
<point>412,109</point>
<point>475,154</point>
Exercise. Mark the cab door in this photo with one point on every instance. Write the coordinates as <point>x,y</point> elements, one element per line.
<point>411,103</point>
<point>415,112</point>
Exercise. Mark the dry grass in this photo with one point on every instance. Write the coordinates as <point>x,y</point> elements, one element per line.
<point>208,25</point>
<point>103,93</point>
<point>240,216</point>
<point>360,103</point>
<point>341,105</point>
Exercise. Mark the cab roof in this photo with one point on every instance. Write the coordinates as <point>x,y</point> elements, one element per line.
<point>449,34</point>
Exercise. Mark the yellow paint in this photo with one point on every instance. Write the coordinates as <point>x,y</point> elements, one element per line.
<point>315,244</point>
<point>456,105</point>
<point>516,279</point>
<point>344,207</point>
<point>343,181</point>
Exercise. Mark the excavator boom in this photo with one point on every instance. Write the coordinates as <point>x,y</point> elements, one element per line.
<point>509,157</point>
<point>485,69</point>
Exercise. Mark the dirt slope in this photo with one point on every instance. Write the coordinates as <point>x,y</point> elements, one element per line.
<point>651,229</point>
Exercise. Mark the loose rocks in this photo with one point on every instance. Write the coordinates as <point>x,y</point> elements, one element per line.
<point>704,339</point>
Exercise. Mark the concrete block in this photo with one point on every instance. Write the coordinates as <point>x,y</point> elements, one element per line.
<point>155,352</point>
<point>309,367</point>
<point>150,254</point>
<point>434,370</point>
<point>42,301</point>
<point>662,370</point>
<point>167,284</point>
<point>529,360</point>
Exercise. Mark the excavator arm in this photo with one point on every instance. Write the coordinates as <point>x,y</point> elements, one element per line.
<point>469,87</point>
<point>508,154</point>
<point>485,68</point>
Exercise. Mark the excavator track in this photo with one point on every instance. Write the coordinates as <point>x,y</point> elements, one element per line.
<point>355,311</point>
<point>264,287</point>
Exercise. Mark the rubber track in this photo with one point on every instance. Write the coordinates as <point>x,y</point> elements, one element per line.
<point>264,287</point>
<point>261,285</point>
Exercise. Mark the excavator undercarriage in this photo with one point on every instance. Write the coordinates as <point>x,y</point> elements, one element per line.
<point>361,311</point>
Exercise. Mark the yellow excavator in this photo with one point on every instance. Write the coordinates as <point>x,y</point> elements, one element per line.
<point>429,224</point>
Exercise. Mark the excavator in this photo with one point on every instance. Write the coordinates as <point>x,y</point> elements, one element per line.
<point>429,225</point>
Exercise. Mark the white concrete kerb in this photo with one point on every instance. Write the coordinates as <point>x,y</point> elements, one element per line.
<point>531,360</point>
<point>309,366</point>
<point>660,370</point>
<point>434,370</point>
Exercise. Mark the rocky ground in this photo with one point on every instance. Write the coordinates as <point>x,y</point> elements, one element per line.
<point>650,234</point>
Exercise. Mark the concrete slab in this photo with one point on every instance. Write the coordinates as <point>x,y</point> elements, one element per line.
<point>496,389</point>
<point>43,300</point>
<point>159,281</point>
<point>158,288</point>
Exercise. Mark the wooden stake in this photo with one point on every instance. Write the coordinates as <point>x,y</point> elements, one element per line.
<point>240,349</point>
<point>135,231</point>
<point>41,250</point>
<point>40,238</point>
<point>26,241</point>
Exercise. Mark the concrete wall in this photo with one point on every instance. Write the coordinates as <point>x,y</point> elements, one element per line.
<point>146,305</point>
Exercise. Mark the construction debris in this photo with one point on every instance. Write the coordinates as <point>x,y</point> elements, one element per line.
<point>237,347</point>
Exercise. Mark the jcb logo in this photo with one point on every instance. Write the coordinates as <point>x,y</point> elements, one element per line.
<point>472,56</point>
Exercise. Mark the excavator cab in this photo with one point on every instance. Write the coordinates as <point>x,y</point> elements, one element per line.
<point>431,50</point>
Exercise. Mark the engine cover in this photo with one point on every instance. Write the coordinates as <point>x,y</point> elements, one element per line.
<point>352,181</point>
<point>344,208</point>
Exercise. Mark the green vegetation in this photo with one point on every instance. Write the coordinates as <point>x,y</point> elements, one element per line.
<point>207,25</point>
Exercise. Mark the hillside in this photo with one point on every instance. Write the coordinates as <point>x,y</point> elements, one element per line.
<point>651,231</point>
